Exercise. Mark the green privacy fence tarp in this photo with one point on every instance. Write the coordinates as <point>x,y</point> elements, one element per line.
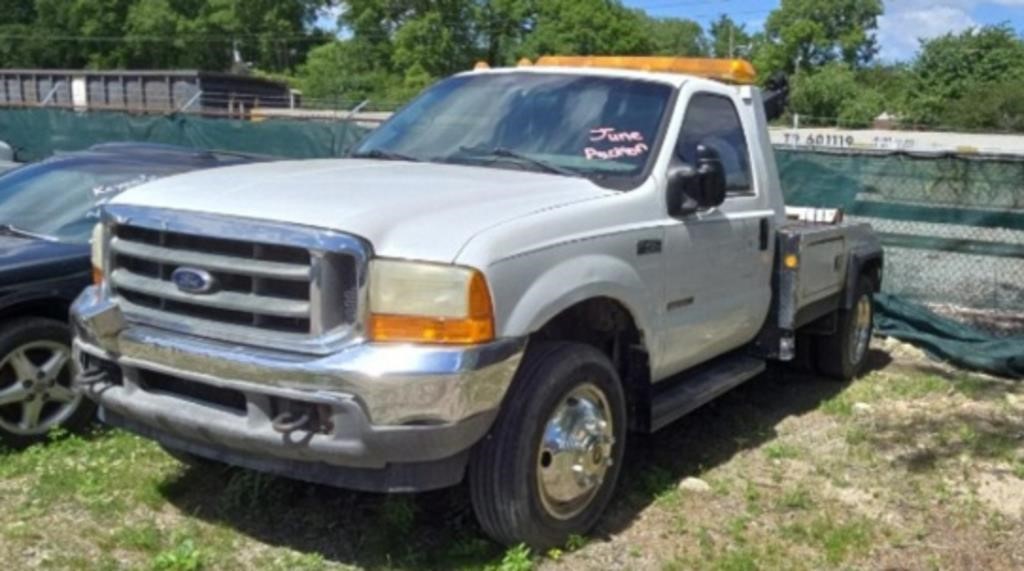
<point>953,231</point>
<point>38,133</point>
<point>949,340</point>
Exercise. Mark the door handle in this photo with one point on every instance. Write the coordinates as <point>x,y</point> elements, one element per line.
<point>766,230</point>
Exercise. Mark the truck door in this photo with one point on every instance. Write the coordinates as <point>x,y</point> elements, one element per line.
<point>714,259</point>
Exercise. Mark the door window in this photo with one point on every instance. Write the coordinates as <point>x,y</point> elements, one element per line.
<point>712,121</point>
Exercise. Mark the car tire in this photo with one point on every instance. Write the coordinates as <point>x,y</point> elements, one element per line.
<point>36,394</point>
<point>549,465</point>
<point>843,355</point>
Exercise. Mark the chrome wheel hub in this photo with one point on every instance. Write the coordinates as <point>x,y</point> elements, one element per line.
<point>575,452</point>
<point>861,329</point>
<point>35,388</point>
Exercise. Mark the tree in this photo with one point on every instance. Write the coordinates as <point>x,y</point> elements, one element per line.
<point>586,27</point>
<point>805,34</point>
<point>971,79</point>
<point>729,39</point>
<point>835,95</point>
<point>676,37</point>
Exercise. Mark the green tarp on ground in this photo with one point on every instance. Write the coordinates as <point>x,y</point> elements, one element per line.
<point>38,133</point>
<point>948,340</point>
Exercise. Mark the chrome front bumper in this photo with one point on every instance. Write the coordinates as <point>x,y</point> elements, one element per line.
<point>377,404</point>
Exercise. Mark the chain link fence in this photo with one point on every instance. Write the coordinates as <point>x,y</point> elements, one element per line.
<point>952,225</point>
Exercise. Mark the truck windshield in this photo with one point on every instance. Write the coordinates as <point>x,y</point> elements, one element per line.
<point>596,127</point>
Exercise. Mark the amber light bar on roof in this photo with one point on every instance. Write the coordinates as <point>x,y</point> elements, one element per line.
<point>728,70</point>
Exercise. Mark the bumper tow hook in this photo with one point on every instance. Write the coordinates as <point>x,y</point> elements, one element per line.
<point>90,377</point>
<point>287,422</point>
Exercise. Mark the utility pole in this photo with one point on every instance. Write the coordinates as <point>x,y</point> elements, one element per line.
<point>732,42</point>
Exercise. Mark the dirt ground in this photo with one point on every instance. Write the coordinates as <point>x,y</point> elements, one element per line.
<point>914,466</point>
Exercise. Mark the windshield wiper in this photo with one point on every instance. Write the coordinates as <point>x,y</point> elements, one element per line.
<point>503,153</point>
<point>12,230</point>
<point>383,155</point>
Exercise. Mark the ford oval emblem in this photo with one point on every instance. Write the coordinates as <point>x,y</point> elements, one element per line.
<point>194,280</point>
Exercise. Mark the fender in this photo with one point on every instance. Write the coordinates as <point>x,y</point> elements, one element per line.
<point>63,289</point>
<point>860,259</point>
<point>578,279</point>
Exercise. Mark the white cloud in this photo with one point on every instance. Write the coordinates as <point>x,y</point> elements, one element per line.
<point>906,22</point>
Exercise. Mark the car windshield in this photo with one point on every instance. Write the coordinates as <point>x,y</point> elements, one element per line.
<point>60,199</point>
<point>597,127</point>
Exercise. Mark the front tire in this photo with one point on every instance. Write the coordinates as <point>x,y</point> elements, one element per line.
<point>843,354</point>
<point>35,382</point>
<point>549,466</point>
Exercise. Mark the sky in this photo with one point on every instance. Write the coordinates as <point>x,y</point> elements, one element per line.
<point>904,22</point>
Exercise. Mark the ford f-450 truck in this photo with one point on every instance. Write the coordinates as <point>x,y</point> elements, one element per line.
<point>510,274</point>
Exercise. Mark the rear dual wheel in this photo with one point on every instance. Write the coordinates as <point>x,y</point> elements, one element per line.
<point>549,466</point>
<point>844,354</point>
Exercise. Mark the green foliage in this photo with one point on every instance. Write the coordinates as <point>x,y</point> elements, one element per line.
<point>272,34</point>
<point>184,557</point>
<point>676,37</point>
<point>806,34</point>
<point>517,558</point>
<point>729,39</point>
<point>971,80</point>
<point>586,27</point>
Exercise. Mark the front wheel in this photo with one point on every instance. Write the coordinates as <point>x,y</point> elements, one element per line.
<point>843,354</point>
<point>549,466</point>
<point>35,382</point>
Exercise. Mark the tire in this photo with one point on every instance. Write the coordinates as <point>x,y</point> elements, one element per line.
<point>841,355</point>
<point>35,386</point>
<point>513,473</point>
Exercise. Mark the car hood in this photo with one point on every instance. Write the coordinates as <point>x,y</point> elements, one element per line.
<point>425,211</point>
<point>25,259</point>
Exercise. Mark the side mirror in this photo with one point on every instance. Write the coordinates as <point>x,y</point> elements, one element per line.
<point>700,187</point>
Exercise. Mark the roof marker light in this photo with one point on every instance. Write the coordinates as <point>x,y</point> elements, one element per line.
<point>736,71</point>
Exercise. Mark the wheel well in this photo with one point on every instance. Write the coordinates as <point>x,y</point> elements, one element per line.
<point>872,269</point>
<point>608,325</point>
<point>52,308</point>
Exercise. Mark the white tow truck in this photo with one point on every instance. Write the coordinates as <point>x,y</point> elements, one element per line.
<point>512,272</point>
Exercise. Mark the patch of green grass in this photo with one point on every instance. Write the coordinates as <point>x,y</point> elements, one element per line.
<point>781,451</point>
<point>743,559</point>
<point>185,556</point>
<point>796,499</point>
<point>1018,469</point>
<point>251,491</point>
<point>879,388</point>
<point>145,537</point>
<point>89,471</point>
<point>517,558</point>
<point>989,443</point>
<point>837,541</point>
<point>576,542</point>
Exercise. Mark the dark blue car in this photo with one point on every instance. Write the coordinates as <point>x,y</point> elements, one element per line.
<point>47,213</point>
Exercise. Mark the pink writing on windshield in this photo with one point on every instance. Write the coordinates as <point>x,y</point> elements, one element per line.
<point>611,135</point>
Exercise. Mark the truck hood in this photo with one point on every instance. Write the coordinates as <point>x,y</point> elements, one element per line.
<point>424,211</point>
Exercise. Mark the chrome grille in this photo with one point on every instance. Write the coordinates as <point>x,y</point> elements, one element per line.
<point>271,292</point>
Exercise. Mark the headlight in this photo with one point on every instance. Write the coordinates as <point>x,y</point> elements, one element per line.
<point>429,303</point>
<point>98,250</point>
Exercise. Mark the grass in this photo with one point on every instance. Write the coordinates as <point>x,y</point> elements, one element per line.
<point>799,480</point>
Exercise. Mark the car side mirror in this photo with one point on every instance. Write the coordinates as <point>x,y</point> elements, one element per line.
<point>700,187</point>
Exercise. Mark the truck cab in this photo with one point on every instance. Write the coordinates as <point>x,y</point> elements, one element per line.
<point>504,279</point>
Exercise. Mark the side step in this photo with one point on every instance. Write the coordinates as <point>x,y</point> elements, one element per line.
<point>701,385</point>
